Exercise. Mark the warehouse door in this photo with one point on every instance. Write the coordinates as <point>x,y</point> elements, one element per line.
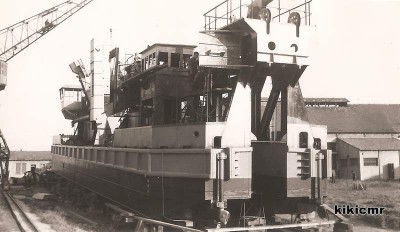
<point>391,171</point>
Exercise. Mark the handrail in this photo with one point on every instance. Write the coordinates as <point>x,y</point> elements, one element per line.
<point>288,11</point>
<point>213,17</point>
<point>215,7</point>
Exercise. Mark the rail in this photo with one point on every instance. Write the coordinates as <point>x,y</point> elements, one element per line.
<point>274,227</point>
<point>142,222</point>
<point>22,220</point>
<point>227,12</point>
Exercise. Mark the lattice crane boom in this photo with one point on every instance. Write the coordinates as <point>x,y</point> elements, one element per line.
<point>4,158</point>
<point>17,37</point>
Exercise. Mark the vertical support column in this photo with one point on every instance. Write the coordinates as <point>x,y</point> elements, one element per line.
<point>313,184</point>
<point>169,59</point>
<point>221,157</point>
<point>237,132</point>
<point>305,12</point>
<point>215,19</point>
<point>319,178</point>
<point>268,113</point>
<point>223,215</point>
<point>99,77</point>
<point>256,111</point>
<point>275,131</point>
<point>284,112</point>
<point>227,12</point>
<point>218,109</point>
<point>207,95</point>
<point>240,9</point>
<point>181,61</point>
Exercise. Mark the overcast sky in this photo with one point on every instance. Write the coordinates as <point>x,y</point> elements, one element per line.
<point>355,54</point>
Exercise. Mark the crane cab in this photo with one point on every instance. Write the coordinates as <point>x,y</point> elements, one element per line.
<point>72,104</point>
<point>3,75</point>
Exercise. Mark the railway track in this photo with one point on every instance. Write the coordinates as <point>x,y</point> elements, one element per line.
<point>22,220</point>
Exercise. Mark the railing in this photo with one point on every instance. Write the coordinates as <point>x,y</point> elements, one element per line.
<point>230,10</point>
<point>306,12</point>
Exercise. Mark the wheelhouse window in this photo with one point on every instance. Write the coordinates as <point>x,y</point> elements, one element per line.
<point>303,140</point>
<point>163,58</point>
<point>175,59</point>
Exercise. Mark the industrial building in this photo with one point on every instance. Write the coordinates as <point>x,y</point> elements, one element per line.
<point>369,158</point>
<point>22,161</point>
<point>377,126</point>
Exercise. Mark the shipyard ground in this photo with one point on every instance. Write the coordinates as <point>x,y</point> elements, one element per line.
<point>7,222</point>
<point>377,194</point>
<point>55,214</point>
<point>61,215</point>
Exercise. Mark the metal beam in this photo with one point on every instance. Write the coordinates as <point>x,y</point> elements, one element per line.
<point>268,112</point>
<point>4,159</point>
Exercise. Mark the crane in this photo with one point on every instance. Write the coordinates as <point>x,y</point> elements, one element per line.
<point>16,38</point>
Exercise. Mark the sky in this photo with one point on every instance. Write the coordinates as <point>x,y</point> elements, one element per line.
<point>354,54</point>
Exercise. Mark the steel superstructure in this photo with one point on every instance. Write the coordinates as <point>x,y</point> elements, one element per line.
<point>192,142</point>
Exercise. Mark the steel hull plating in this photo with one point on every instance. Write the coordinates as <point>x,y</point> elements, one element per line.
<point>172,195</point>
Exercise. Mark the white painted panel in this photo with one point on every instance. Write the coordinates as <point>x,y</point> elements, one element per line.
<point>237,132</point>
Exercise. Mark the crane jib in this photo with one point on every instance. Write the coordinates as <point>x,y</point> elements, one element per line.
<point>17,37</point>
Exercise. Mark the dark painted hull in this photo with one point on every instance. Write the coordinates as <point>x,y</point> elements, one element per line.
<point>152,196</point>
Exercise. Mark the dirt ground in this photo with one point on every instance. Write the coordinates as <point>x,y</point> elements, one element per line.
<point>377,194</point>
<point>58,215</point>
<point>62,216</point>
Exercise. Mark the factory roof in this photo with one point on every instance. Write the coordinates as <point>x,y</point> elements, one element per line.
<point>373,144</point>
<point>333,100</point>
<point>30,156</point>
<point>357,118</point>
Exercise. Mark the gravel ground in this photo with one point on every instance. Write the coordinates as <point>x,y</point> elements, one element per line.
<point>54,215</point>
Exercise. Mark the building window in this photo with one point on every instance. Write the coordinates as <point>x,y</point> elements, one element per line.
<point>370,161</point>
<point>163,58</point>
<point>20,168</point>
